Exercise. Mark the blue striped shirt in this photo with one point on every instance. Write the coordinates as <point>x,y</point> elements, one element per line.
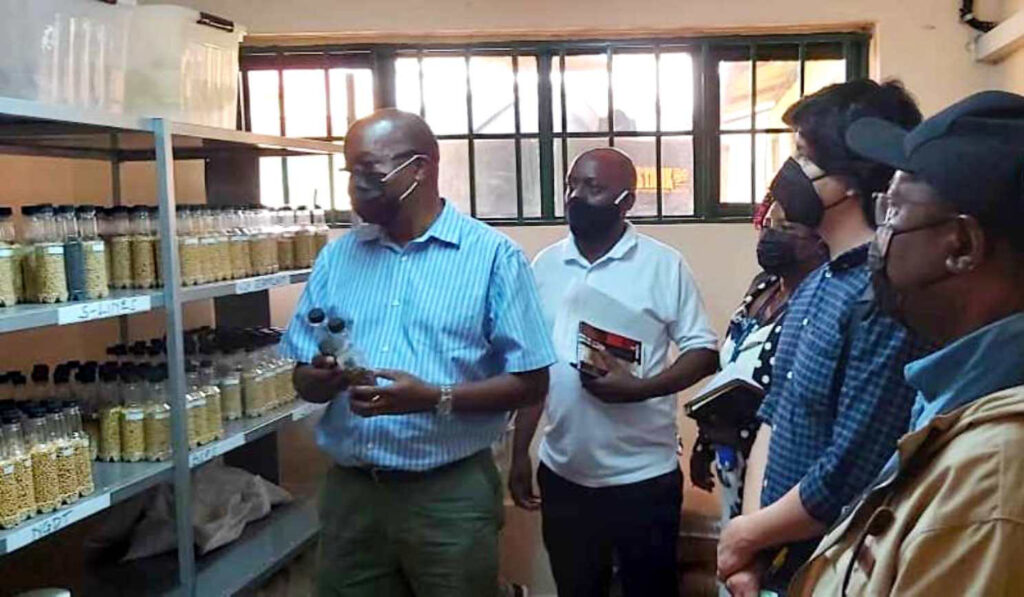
<point>458,304</point>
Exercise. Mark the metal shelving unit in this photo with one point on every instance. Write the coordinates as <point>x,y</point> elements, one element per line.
<point>36,129</point>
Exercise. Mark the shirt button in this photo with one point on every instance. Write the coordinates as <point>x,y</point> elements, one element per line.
<point>828,274</point>
<point>369,446</point>
<point>789,375</point>
<point>805,321</point>
<point>384,349</point>
<point>405,258</point>
<point>395,303</point>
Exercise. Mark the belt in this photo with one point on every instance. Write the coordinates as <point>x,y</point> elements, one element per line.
<point>390,475</point>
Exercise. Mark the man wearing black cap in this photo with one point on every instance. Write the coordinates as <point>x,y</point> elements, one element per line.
<point>838,401</point>
<point>946,515</point>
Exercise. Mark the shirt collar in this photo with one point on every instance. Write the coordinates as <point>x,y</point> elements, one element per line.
<point>850,259</point>
<point>445,228</point>
<point>983,362</point>
<point>627,241</point>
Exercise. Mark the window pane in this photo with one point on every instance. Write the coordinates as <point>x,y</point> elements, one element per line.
<point>308,180</point>
<point>351,97</point>
<point>641,150</point>
<point>531,178</point>
<point>822,73</point>
<point>342,201</point>
<point>493,102</point>
<point>576,147</point>
<point>676,72</point>
<point>734,94</point>
<point>772,150</point>
<point>444,94</point>
<point>529,120</point>
<point>453,175</point>
<point>305,103</point>
<point>634,81</point>
<point>271,182</point>
<point>735,169</point>
<point>586,92</point>
<point>677,176</point>
<point>778,86</point>
<point>495,178</point>
<point>407,84</point>
<point>264,109</point>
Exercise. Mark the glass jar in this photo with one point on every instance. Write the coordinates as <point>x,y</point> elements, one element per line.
<point>10,512</point>
<point>188,246</point>
<point>285,218</point>
<point>133,414</point>
<point>207,242</point>
<point>74,255</point>
<point>43,453</point>
<point>222,248</point>
<point>120,248</point>
<point>88,398</point>
<point>229,381</point>
<point>10,266</point>
<point>80,443</point>
<point>18,455</point>
<point>67,468</point>
<point>238,240</point>
<point>49,282</point>
<point>108,404</point>
<point>321,232</point>
<point>61,389</point>
<point>195,403</point>
<point>19,386</point>
<point>143,250</point>
<point>40,376</point>
<point>305,245</point>
<point>214,405</point>
<point>253,390</point>
<point>158,417</point>
<point>97,285</point>
<point>105,223</point>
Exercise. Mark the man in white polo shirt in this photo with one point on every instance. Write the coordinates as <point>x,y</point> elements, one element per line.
<point>610,484</point>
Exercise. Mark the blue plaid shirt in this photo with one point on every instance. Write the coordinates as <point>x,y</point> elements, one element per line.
<point>834,425</point>
<point>458,304</point>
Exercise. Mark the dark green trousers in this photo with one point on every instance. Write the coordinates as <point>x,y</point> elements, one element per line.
<point>434,535</point>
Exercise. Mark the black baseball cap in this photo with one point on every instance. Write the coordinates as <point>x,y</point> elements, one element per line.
<point>971,153</point>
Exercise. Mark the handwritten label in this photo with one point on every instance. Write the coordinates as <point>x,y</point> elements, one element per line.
<point>211,451</point>
<point>49,524</point>
<point>58,250</point>
<point>303,411</point>
<point>7,253</point>
<point>96,246</point>
<point>262,283</point>
<point>78,313</point>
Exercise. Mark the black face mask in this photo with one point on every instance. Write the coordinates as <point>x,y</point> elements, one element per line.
<point>796,192</point>
<point>776,251</point>
<point>591,222</point>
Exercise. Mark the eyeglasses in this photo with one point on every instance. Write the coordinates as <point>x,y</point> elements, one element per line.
<point>377,177</point>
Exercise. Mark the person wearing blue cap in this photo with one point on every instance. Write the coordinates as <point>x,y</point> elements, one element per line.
<point>946,514</point>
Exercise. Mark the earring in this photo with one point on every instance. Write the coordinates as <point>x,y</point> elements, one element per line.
<point>959,264</point>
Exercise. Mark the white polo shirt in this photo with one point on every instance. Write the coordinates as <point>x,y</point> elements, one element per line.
<point>587,441</point>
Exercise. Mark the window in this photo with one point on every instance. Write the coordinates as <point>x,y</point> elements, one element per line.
<point>701,118</point>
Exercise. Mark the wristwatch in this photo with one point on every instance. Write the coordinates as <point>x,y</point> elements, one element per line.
<point>444,404</point>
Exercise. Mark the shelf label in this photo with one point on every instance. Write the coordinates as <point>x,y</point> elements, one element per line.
<point>102,309</point>
<point>303,410</point>
<point>207,453</point>
<point>56,521</point>
<point>262,283</point>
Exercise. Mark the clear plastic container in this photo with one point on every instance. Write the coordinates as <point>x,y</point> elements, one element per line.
<point>321,232</point>
<point>10,510</point>
<point>120,248</point>
<point>9,260</point>
<point>18,455</point>
<point>229,381</point>
<point>264,244</point>
<point>80,443</point>
<point>189,250</point>
<point>67,465</point>
<point>195,403</point>
<point>158,417</point>
<point>109,411</point>
<point>305,244</point>
<point>214,405</point>
<point>105,224</point>
<point>143,246</point>
<point>133,414</point>
<point>192,74</point>
<point>46,264</point>
<point>254,398</point>
<point>238,241</point>
<point>285,219</point>
<point>74,253</point>
<point>97,285</point>
<point>40,388</point>
<point>70,52</point>
<point>43,452</point>
<point>88,398</point>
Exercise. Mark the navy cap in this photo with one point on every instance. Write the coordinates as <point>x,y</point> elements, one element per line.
<point>972,153</point>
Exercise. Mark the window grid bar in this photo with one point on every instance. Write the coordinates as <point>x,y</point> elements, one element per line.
<point>518,141</point>
<point>753,120</point>
<point>611,99</point>
<point>419,71</point>
<point>546,140</point>
<point>286,192</point>
<point>801,54</point>
<point>565,123</point>
<point>330,133</point>
<point>657,137</point>
<point>470,146</point>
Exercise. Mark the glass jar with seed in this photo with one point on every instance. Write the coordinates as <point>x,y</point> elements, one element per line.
<point>305,245</point>
<point>97,285</point>
<point>8,259</point>
<point>74,251</point>
<point>80,443</point>
<point>105,223</point>
<point>285,219</point>
<point>158,417</point>
<point>195,403</point>
<point>10,510</point>
<point>86,378</point>
<point>321,233</point>
<point>214,404</point>
<point>120,248</point>
<point>143,239</point>
<point>108,404</point>
<point>229,381</point>
<point>49,282</point>
<point>17,452</point>
<point>133,413</point>
<point>67,466</point>
<point>43,453</point>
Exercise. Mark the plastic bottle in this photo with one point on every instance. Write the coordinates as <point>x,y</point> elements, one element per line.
<point>211,393</point>
<point>188,247</point>
<point>18,454</point>
<point>133,414</point>
<point>49,280</point>
<point>10,508</point>
<point>67,465</point>
<point>88,398</point>
<point>305,244</point>
<point>158,417</point>
<point>10,265</point>
<point>74,251</point>
<point>120,248</point>
<point>97,284</point>
<point>109,409</point>
<point>321,232</point>
<point>253,391</point>
<point>19,386</point>
<point>80,442</point>
<point>40,389</point>
<point>105,224</point>
<point>238,236</point>
<point>143,241</point>
<point>195,402</point>
<point>229,381</point>
<point>43,453</point>
<point>285,218</point>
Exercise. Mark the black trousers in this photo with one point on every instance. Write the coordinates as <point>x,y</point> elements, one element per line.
<point>638,525</point>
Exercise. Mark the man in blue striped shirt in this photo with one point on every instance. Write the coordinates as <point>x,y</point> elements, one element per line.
<point>446,312</point>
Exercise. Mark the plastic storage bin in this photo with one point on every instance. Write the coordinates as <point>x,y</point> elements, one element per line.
<point>65,51</point>
<point>183,66</point>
